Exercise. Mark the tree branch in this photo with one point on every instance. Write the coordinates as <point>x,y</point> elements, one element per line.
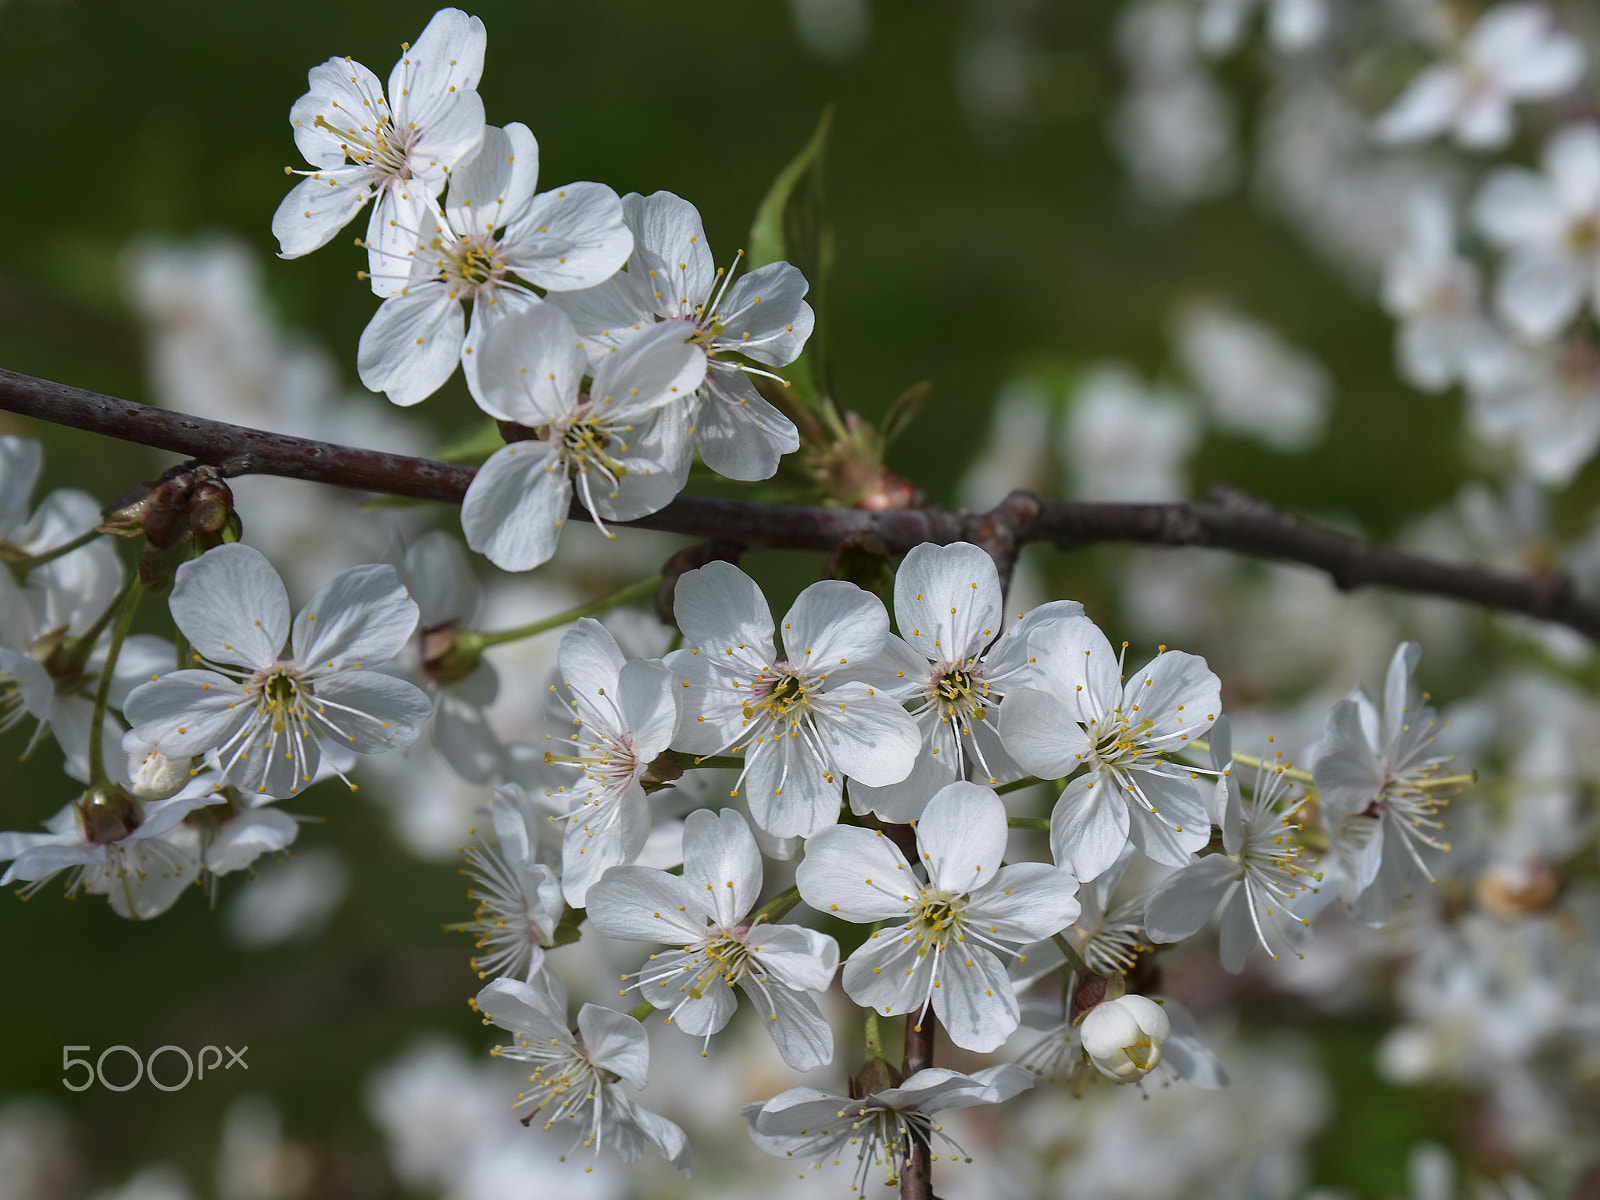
<point>917,1183</point>
<point>1232,522</point>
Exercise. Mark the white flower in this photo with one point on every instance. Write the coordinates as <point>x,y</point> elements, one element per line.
<point>519,898</point>
<point>1255,880</point>
<point>399,149</point>
<point>1512,53</point>
<point>624,713</point>
<point>1258,386</point>
<point>492,239</point>
<point>881,1126</point>
<point>151,774</point>
<point>1292,25</point>
<point>626,439</point>
<point>672,277</point>
<point>706,910</point>
<point>1433,291</point>
<point>1124,1037</point>
<point>1083,716</point>
<point>269,716</point>
<point>940,938</point>
<point>1124,441</point>
<point>798,731</point>
<point>575,1074</point>
<point>1548,225</point>
<point>953,665</point>
<point>1382,786</point>
<point>1542,402</point>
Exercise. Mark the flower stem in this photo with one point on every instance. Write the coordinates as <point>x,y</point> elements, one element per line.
<point>872,1036</point>
<point>1016,785</point>
<point>22,566</point>
<point>1070,953</point>
<point>778,907</point>
<point>1028,822</point>
<point>79,648</point>
<point>130,603</point>
<point>641,1010</point>
<point>1250,760</point>
<point>473,641</point>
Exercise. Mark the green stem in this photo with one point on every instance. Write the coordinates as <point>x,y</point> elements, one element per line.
<point>641,1010</point>
<point>1074,959</point>
<point>1016,785</point>
<point>97,764</point>
<point>473,641</point>
<point>730,761</point>
<point>872,1036</point>
<point>778,907</point>
<point>1028,822</point>
<point>78,650</point>
<point>22,566</point>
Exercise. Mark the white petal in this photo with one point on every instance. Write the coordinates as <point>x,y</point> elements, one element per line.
<point>657,368</point>
<point>616,1042</point>
<point>590,662</point>
<point>1539,291</point>
<point>317,208</point>
<point>497,184</point>
<point>723,613</point>
<point>791,792</point>
<point>1348,775</point>
<point>975,1001</point>
<point>246,837</point>
<point>765,316</point>
<point>740,435</point>
<point>1516,207</point>
<point>19,471</point>
<point>232,606</point>
<point>795,957</point>
<point>360,618</point>
<point>515,506</point>
<point>642,904</point>
<point>412,344</point>
<point>832,622</point>
<point>870,737</point>
<point>649,704</point>
<point>598,840</point>
<point>721,864</point>
<point>438,72</point>
<point>962,837</point>
<point>1183,902</point>
<point>570,238</point>
<point>187,712</point>
<point>854,874</point>
<point>1026,902</point>
<point>947,601</point>
<point>669,227</point>
<point>1423,109</point>
<point>1040,731</point>
<point>372,712</point>
<point>528,366</point>
<point>464,739</point>
<point>886,972</point>
<point>1088,827</point>
<point>798,1028</point>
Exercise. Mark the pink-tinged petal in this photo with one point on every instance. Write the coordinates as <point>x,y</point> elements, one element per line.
<point>412,345</point>
<point>1348,775</point>
<point>765,316</point>
<point>491,190</point>
<point>371,713</point>
<point>649,705</point>
<point>947,601</point>
<point>515,506</point>
<point>962,837</point>
<point>642,904</point>
<point>798,1028</point>
<point>362,617</point>
<point>723,613</point>
<point>317,208</point>
<point>739,434</point>
<point>794,956</point>
<point>1088,827</point>
<point>870,737</point>
<point>1040,731</point>
<point>1026,902</point>
<point>657,368</point>
<point>669,228</point>
<point>187,712</point>
<point>1184,901</point>
<point>974,999</point>
<point>721,863</point>
<point>831,623</point>
<point>528,366</point>
<point>442,65</point>
<point>570,238</point>
<point>855,874</point>
<point>232,606</point>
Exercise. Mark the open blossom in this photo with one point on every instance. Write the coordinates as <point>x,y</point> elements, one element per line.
<point>625,442</point>
<point>272,703</point>
<point>1512,53</point>
<point>1432,290</point>
<point>519,897</point>
<point>1542,403</point>
<point>1082,715</point>
<point>797,729</point>
<point>491,245</point>
<point>707,911</point>
<point>1257,878</point>
<point>672,277</point>
<point>576,1074</point>
<point>880,1127</point>
<point>952,663</point>
<point>397,149</point>
<point>624,713</point>
<point>942,936</point>
<point>1382,787</point>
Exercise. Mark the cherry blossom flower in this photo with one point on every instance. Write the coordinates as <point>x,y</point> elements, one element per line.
<point>881,1127</point>
<point>397,149</point>
<point>519,897</point>
<point>1081,715</point>
<point>495,245</point>
<point>707,910</point>
<point>1256,384</point>
<point>1125,441</point>
<point>941,938</point>
<point>798,730</point>
<point>1257,878</point>
<point>271,716</point>
<point>1124,1037</point>
<point>624,714</point>
<point>953,665</point>
<point>1511,54</point>
<point>671,276</point>
<point>576,1074</point>
<point>626,441</point>
<point>1541,402</point>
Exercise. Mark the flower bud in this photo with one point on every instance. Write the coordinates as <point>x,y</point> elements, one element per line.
<point>1123,1037</point>
<point>107,813</point>
<point>152,774</point>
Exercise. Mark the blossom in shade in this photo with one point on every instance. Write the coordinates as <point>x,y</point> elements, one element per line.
<point>271,702</point>
<point>1083,715</point>
<point>1124,1037</point>
<point>624,713</point>
<point>1432,291</point>
<point>799,726</point>
<point>396,149</point>
<point>952,664</point>
<point>940,937</point>
<point>1257,881</point>
<point>706,910</point>
<point>880,1128</point>
<point>625,442</point>
<point>577,1074</point>
<point>519,898</point>
<point>671,277</point>
<point>495,244</point>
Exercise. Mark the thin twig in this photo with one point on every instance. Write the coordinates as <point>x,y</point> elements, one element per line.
<point>1233,522</point>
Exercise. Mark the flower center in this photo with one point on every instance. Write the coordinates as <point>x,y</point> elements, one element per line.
<point>473,265</point>
<point>937,918</point>
<point>958,693</point>
<point>384,150</point>
<point>277,691</point>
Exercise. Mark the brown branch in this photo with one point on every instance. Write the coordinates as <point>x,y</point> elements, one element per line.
<point>1233,522</point>
<point>917,1182</point>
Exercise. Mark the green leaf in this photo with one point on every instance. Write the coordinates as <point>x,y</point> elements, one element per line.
<point>472,445</point>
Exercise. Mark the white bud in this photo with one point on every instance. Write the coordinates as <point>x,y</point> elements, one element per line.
<point>1123,1037</point>
<point>151,774</point>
